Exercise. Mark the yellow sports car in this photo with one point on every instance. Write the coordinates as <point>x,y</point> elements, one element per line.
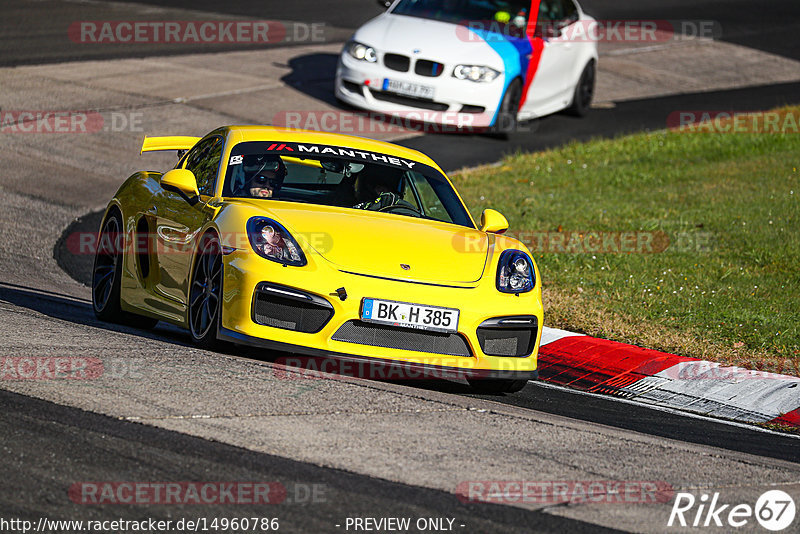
<point>321,245</point>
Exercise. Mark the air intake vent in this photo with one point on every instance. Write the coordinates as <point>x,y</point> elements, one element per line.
<point>290,309</point>
<point>467,108</point>
<point>352,87</point>
<point>393,337</point>
<point>508,336</point>
<point>408,101</point>
<point>425,67</point>
<point>397,62</point>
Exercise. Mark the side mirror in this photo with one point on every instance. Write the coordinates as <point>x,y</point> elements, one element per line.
<point>182,180</point>
<point>493,221</point>
<point>385,4</point>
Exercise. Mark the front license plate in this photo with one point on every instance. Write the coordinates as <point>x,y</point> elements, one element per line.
<point>410,315</point>
<point>408,89</point>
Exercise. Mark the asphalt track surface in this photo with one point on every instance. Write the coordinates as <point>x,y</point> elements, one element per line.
<point>48,446</point>
<point>36,32</point>
<point>38,433</point>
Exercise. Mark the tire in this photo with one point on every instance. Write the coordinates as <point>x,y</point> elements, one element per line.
<point>496,386</point>
<point>205,293</point>
<point>584,92</point>
<point>107,276</point>
<point>506,121</point>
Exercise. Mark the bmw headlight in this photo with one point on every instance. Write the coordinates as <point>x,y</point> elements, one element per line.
<point>515,273</point>
<point>475,73</point>
<point>271,240</point>
<point>362,51</point>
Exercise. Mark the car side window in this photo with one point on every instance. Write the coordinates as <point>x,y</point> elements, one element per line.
<point>408,192</point>
<point>550,11</point>
<point>569,12</point>
<point>561,12</point>
<point>431,204</point>
<point>203,161</point>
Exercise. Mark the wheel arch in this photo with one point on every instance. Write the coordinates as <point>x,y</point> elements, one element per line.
<point>209,230</point>
<point>591,60</point>
<point>112,206</point>
<point>516,79</point>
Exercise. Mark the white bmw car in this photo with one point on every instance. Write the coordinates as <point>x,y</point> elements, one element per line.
<point>472,63</point>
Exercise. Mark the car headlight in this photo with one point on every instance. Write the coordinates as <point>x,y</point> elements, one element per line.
<point>270,240</point>
<point>475,73</point>
<point>515,273</point>
<point>362,51</point>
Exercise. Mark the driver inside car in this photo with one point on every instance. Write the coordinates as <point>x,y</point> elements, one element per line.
<point>379,193</point>
<point>262,176</point>
<point>265,184</point>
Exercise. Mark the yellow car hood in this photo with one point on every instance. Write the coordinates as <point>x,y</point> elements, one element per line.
<point>381,244</point>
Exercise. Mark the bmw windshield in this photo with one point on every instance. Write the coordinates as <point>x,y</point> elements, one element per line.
<point>512,13</point>
<point>348,178</point>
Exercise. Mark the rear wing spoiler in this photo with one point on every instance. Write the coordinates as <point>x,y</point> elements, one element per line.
<point>172,142</point>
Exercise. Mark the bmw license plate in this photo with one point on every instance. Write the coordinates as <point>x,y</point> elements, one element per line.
<point>408,89</point>
<point>410,315</point>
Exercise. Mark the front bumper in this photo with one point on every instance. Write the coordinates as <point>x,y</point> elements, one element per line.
<point>459,103</point>
<point>478,303</point>
<point>373,368</point>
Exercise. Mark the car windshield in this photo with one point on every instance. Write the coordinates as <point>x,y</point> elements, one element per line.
<point>491,13</point>
<point>343,177</point>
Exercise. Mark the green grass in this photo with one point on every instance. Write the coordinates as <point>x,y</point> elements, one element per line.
<point>729,203</point>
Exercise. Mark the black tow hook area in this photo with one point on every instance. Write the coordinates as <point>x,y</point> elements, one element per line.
<point>341,293</point>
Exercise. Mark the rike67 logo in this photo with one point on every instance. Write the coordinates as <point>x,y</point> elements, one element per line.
<point>774,510</point>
